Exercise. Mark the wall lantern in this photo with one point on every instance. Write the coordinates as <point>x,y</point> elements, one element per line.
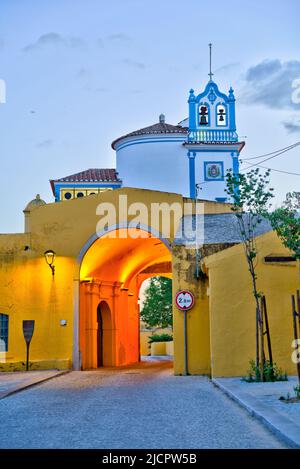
<point>49,257</point>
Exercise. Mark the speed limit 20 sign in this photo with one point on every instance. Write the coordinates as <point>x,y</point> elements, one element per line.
<point>184,300</point>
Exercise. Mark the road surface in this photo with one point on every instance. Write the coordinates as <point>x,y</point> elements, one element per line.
<point>141,406</point>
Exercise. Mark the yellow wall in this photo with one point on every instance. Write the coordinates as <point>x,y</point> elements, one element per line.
<point>27,288</point>
<point>232,308</point>
<point>145,334</point>
<point>28,291</point>
<point>184,267</point>
<point>220,326</point>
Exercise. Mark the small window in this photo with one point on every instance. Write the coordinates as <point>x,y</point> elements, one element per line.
<point>3,332</point>
<point>80,194</point>
<point>203,115</point>
<point>221,115</point>
<point>68,195</point>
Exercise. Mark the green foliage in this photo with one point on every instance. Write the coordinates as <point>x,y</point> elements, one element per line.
<point>250,202</point>
<point>271,373</point>
<point>297,392</point>
<point>286,222</point>
<point>249,191</point>
<point>157,308</point>
<point>160,338</point>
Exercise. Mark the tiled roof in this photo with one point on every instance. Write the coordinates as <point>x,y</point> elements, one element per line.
<point>214,229</point>
<point>90,175</point>
<point>159,128</point>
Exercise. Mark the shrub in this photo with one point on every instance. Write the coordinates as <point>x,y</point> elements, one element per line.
<point>160,338</point>
<point>271,373</point>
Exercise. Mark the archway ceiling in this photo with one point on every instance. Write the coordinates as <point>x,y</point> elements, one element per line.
<point>120,259</point>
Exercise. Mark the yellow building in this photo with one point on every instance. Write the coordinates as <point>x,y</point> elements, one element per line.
<point>86,308</point>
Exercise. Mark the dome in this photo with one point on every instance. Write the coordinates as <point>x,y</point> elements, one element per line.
<point>159,128</point>
<point>37,202</point>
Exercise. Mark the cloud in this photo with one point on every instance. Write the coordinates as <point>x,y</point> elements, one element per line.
<point>292,125</point>
<point>227,68</point>
<point>54,40</point>
<point>271,83</point>
<point>119,37</point>
<point>45,144</point>
<point>134,64</point>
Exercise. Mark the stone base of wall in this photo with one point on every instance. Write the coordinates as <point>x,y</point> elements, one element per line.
<point>64,364</point>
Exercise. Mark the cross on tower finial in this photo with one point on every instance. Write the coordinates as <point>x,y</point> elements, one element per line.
<point>210,72</point>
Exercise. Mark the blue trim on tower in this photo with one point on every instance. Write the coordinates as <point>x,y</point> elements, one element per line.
<point>235,166</point>
<point>235,163</point>
<point>192,175</point>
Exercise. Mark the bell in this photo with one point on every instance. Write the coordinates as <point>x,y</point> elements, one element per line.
<point>221,115</point>
<point>203,115</point>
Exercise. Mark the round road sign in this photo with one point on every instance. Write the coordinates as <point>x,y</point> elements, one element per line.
<point>184,300</point>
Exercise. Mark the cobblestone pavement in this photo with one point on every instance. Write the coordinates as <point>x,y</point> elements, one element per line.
<point>141,406</point>
<point>17,380</point>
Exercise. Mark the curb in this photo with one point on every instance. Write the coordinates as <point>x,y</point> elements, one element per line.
<point>246,403</point>
<point>31,384</point>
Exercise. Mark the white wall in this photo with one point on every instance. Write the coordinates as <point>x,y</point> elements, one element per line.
<point>150,164</point>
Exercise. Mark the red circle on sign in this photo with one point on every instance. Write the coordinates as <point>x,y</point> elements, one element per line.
<point>181,295</point>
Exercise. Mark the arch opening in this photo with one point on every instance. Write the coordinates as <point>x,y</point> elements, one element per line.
<point>111,273</point>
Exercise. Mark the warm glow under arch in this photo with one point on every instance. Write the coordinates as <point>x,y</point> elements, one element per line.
<point>112,270</point>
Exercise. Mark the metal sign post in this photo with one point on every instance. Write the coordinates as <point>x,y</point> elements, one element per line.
<point>185,301</point>
<point>28,328</point>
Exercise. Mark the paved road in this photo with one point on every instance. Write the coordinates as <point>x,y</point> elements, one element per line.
<point>138,407</point>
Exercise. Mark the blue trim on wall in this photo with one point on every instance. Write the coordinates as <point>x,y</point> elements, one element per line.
<point>152,140</point>
<point>235,163</point>
<point>235,167</point>
<point>219,179</point>
<point>220,199</point>
<point>232,116</point>
<point>192,175</point>
<point>203,150</point>
<point>79,185</point>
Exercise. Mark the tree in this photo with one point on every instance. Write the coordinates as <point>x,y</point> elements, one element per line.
<point>250,195</point>
<point>286,222</point>
<point>157,308</point>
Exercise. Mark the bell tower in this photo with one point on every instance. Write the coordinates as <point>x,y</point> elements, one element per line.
<point>212,145</point>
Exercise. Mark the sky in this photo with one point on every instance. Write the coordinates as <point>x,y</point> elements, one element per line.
<point>80,73</point>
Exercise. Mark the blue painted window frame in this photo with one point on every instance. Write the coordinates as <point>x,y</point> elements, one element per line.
<point>4,325</point>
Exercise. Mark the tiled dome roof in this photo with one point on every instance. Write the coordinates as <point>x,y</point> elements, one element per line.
<point>160,128</point>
